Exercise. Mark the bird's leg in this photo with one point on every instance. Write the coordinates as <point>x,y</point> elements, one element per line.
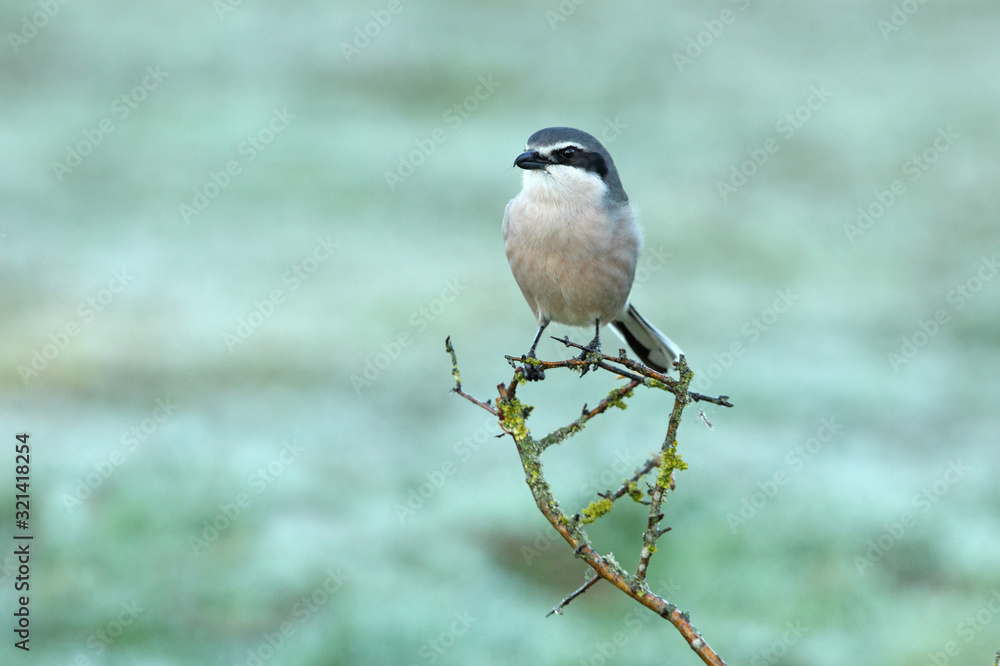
<point>593,348</point>
<point>595,344</point>
<point>533,373</point>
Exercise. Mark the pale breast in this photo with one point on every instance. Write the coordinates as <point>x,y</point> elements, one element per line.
<point>574,263</point>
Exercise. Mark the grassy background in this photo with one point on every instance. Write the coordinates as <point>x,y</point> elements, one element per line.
<point>317,564</point>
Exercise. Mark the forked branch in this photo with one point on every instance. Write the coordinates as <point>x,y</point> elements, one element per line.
<point>513,414</point>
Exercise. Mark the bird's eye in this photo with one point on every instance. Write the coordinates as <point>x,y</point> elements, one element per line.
<point>568,153</point>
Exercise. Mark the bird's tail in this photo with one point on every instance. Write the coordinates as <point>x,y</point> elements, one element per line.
<point>651,346</point>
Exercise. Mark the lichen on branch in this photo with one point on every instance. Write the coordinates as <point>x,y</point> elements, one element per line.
<point>513,414</point>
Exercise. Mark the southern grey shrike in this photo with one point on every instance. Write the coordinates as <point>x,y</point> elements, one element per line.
<point>572,241</point>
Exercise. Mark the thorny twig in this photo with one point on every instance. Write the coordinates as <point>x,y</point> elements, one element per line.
<point>512,414</point>
<point>630,486</point>
<point>577,592</point>
<point>665,479</point>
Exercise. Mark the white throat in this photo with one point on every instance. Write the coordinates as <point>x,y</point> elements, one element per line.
<point>563,185</point>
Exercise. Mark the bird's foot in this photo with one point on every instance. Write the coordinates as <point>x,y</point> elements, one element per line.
<point>531,371</point>
<point>592,354</point>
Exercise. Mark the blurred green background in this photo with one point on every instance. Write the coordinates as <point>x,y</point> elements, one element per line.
<point>224,324</point>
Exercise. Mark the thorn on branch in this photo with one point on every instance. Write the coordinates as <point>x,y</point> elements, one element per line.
<point>512,414</point>
<point>630,486</point>
<point>565,602</point>
<point>458,381</point>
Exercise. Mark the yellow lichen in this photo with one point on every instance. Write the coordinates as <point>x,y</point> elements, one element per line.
<point>514,416</point>
<point>670,460</point>
<point>596,509</point>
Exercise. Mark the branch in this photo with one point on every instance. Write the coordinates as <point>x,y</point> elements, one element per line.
<point>644,375</point>
<point>669,461</point>
<point>513,414</point>
<point>458,380</point>
<point>580,590</point>
<point>629,486</point>
<point>614,399</point>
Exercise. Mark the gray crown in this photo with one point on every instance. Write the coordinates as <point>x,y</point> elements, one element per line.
<point>593,157</point>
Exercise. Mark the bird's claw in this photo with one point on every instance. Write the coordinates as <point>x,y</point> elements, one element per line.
<point>532,372</point>
<point>592,354</point>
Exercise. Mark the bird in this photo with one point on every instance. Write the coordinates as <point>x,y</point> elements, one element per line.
<point>572,241</point>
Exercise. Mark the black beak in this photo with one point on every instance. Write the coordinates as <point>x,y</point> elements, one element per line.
<point>531,159</point>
